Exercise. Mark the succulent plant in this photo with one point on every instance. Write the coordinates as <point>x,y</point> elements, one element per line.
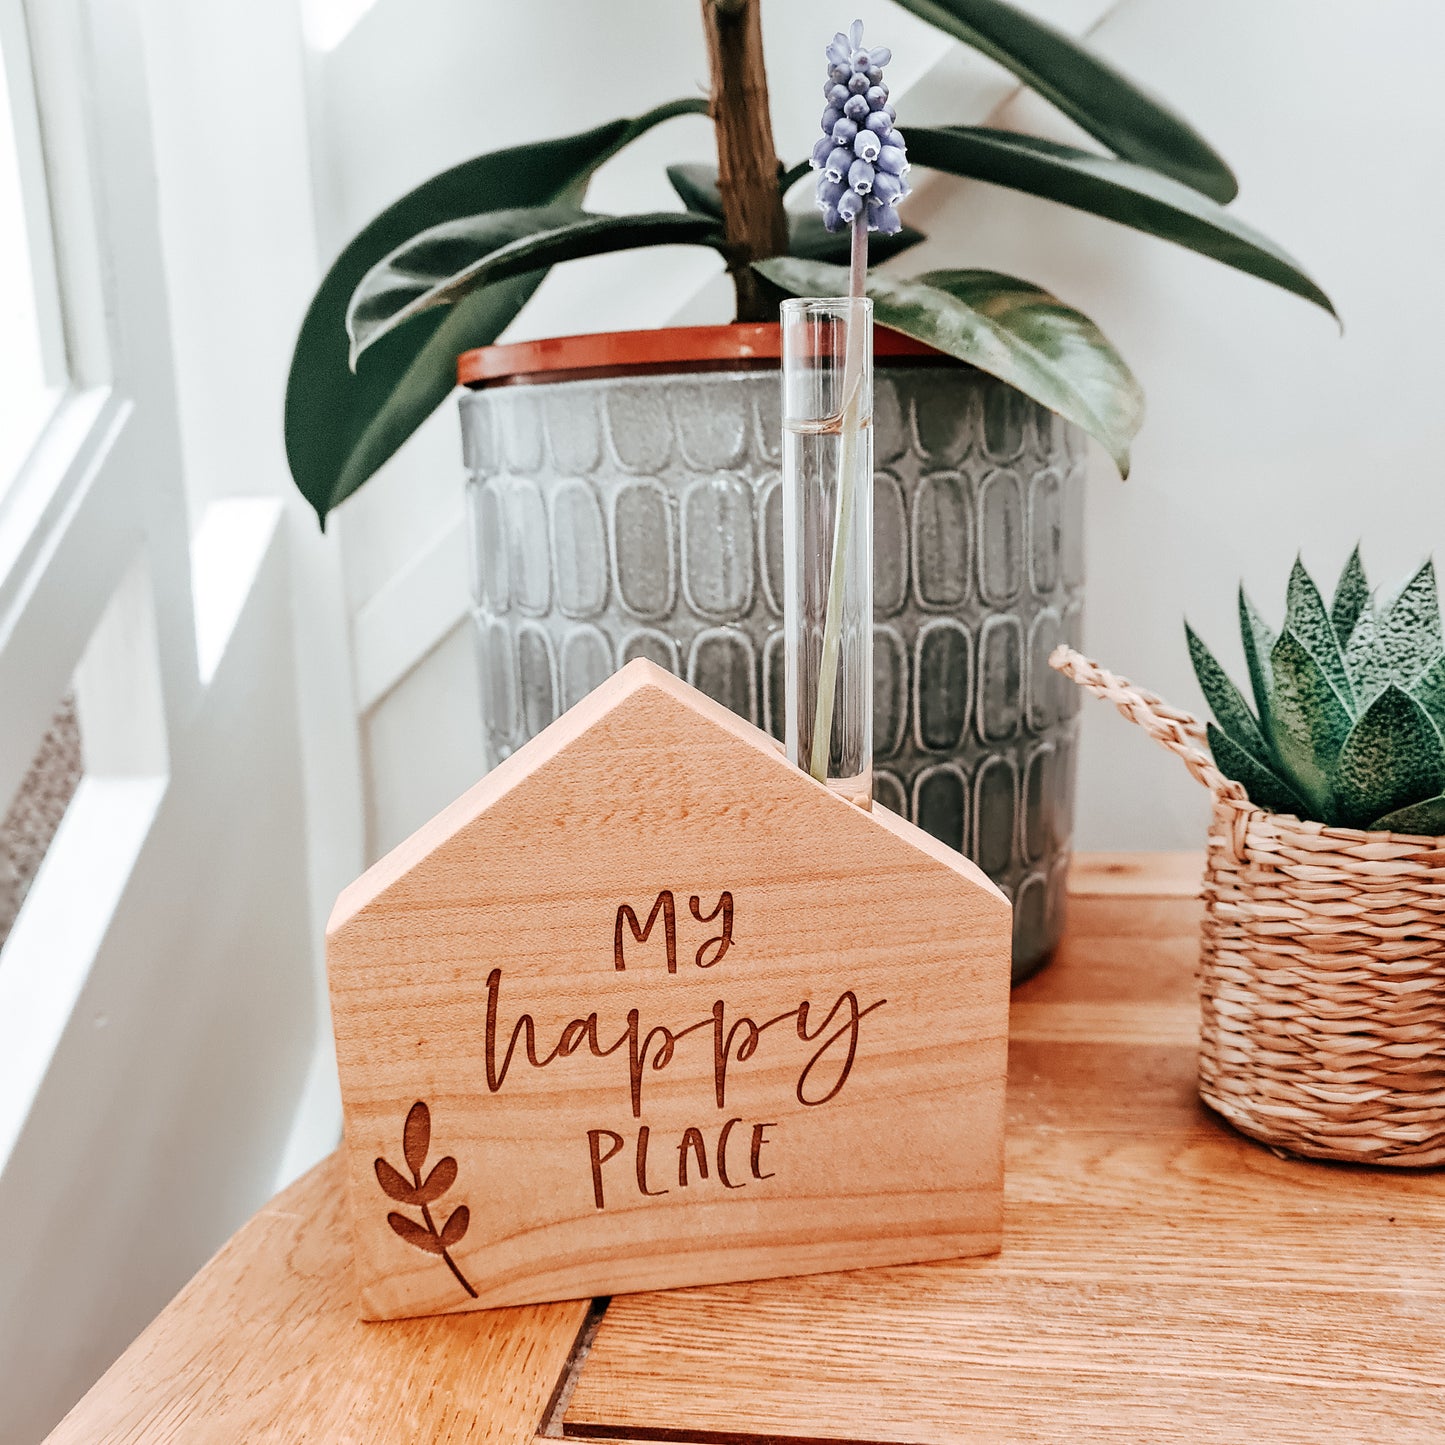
<point>1349,705</point>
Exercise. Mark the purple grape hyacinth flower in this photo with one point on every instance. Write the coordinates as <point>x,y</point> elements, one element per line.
<point>861,157</point>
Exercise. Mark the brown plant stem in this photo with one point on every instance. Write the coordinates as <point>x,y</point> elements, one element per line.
<point>436,1234</point>
<point>754,225</point>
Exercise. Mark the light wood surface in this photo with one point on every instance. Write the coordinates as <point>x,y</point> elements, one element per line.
<point>264,1346</point>
<point>1162,1279</point>
<point>1161,875</point>
<point>759,1031</point>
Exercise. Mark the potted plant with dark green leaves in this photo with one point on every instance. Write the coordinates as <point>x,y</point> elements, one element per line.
<point>624,489</point>
<point>1322,972</point>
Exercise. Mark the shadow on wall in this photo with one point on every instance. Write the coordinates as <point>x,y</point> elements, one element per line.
<point>1267,433</point>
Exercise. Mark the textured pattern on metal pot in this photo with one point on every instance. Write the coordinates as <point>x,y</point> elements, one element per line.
<point>642,517</point>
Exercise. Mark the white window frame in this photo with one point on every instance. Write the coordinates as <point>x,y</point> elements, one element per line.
<point>98,497</point>
<point>20,85</point>
<point>96,551</point>
<point>84,503</point>
<point>209,666</point>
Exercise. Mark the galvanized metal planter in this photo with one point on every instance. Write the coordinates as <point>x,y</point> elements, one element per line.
<point>640,515</point>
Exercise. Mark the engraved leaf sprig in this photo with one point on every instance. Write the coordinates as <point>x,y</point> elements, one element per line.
<point>422,1192</point>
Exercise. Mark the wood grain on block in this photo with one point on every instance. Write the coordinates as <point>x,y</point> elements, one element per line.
<point>649,1007</point>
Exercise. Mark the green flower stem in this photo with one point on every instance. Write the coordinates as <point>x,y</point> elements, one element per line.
<point>842,528</point>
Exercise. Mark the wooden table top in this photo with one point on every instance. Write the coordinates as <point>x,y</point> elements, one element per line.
<point>1162,1278</point>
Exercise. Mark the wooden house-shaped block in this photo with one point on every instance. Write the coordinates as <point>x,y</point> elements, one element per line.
<point>649,1007</point>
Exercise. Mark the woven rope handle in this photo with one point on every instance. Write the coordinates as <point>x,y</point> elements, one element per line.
<point>1180,732</point>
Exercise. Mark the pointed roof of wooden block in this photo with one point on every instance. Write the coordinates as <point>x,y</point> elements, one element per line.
<point>643,685</point>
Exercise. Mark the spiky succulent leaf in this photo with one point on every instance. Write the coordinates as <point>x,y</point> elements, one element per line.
<point>1429,691</point>
<point>1410,637</point>
<point>1309,722</point>
<point>1258,644</point>
<point>1392,757</point>
<point>1306,617</point>
<point>1352,596</point>
<point>1425,819</point>
<point>1350,700</point>
<point>1366,661</point>
<point>1225,700</point>
<point>1265,787</point>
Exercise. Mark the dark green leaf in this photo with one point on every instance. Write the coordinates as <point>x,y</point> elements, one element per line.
<point>1352,595</point>
<point>1409,639</point>
<point>1429,691</point>
<point>789,178</point>
<point>1117,190</point>
<point>1397,642</point>
<point>424,380</point>
<point>451,261</point>
<point>1392,757</point>
<point>1266,788</point>
<point>1008,328</point>
<point>1366,660</point>
<point>1422,820</point>
<point>1225,701</point>
<point>382,293</point>
<point>1102,101</point>
<point>340,427</point>
<point>1310,722</point>
<point>696,187</point>
<point>1306,617</point>
<point>1258,644</point>
<point>810,240</point>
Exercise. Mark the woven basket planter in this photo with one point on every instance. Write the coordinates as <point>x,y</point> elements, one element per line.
<point>1321,970</point>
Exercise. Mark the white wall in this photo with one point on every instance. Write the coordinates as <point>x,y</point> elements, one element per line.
<point>238,228</point>
<point>1266,431</point>
<point>237,215</point>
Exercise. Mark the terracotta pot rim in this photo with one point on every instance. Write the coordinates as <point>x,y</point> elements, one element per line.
<point>739,346</point>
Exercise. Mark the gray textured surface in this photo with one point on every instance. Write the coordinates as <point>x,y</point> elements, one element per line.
<point>642,517</point>
<point>30,826</point>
